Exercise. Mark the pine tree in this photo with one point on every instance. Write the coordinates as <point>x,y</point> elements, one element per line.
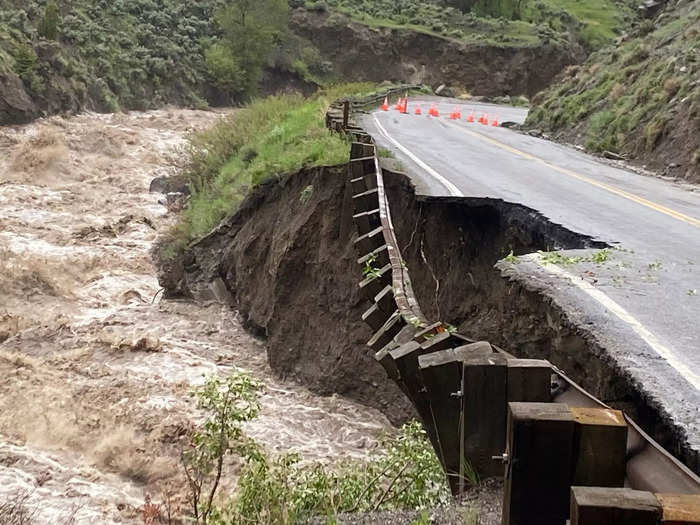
<point>48,26</point>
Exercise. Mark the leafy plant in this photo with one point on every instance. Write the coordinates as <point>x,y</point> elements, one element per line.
<point>369,270</point>
<point>282,490</point>
<point>228,402</point>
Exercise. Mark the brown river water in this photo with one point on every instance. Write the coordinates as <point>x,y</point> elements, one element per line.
<point>95,373</point>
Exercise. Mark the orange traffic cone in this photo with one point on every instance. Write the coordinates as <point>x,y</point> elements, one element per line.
<point>436,112</point>
<point>418,111</point>
<point>459,113</point>
<point>398,105</point>
<point>453,115</point>
<point>404,106</point>
<point>470,118</point>
<point>495,122</point>
<point>485,120</point>
<point>385,106</point>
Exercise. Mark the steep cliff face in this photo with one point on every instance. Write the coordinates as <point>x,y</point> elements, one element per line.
<point>360,52</point>
<point>287,263</point>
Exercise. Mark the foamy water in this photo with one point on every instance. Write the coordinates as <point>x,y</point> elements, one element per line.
<point>90,424</point>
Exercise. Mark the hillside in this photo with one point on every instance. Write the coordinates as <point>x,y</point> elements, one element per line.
<point>107,55</point>
<point>639,99</point>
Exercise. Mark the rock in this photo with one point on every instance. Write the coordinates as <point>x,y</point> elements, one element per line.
<point>683,69</point>
<point>509,124</point>
<point>15,105</point>
<point>159,185</point>
<point>612,155</point>
<point>440,89</point>
<point>535,132</point>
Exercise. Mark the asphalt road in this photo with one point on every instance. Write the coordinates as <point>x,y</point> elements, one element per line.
<point>643,302</point>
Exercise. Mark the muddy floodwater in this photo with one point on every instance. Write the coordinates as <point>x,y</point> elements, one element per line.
<point>95,369</point>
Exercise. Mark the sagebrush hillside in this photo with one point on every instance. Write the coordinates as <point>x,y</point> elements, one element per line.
<point>640,99</point>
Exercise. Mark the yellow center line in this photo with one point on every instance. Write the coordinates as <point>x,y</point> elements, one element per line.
<point>612,189</point>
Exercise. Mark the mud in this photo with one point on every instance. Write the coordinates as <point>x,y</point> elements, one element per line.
<point>287,262</point>
<point>96,367</point>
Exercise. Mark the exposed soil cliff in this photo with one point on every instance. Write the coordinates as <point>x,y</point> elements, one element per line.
<point>287,260</point>
<point>360,52</point>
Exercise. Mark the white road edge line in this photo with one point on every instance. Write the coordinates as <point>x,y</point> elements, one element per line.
<point>622,314</point>
<point>454,192</point>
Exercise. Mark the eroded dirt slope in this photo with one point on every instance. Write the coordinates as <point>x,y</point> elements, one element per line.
<point>95,367</point>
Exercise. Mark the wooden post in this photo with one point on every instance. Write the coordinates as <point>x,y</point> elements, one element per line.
<point>540,440</point>
<point>600,447</point>
<point>484,412</point>
<point>613,506</point>
<point>679,509</point>
<point>442,376</point>
<point>529,380</point>
<point>346,113</point>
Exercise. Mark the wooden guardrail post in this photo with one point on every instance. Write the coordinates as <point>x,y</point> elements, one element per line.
<point>606,506</point>
<point>600,447</point>
<point>538,473</point>
<point>346,113</point>
<point>552,447</point>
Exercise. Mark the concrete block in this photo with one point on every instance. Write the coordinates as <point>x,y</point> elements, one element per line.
<point>613,506</point>
<point>679,509</point>
<point>529,380</point>
<point>600,447</point>
<point>383,357</point>
<point>539,446</point>
<point>484,412</point>
<point>359,149</point>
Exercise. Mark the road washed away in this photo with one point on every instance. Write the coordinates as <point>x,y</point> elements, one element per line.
<point>96,370</point>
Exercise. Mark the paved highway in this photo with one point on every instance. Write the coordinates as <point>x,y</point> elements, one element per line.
<point>644,302</point>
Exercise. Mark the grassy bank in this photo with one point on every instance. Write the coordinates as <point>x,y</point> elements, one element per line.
<point>640,99</point>
<point>592,23</point>
<point>270,137</point>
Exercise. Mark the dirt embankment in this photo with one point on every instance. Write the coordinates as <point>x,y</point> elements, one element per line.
<point>360,52</point>
<point>287,262</point>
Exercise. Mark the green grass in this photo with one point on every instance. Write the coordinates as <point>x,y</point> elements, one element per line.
<point>601,20</point>
<point>592,22</point>
<point>624,98</point>
<point>268,138</point>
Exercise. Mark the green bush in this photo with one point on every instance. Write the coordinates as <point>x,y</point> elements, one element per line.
<point>48,26</point>
<point>281,490</point>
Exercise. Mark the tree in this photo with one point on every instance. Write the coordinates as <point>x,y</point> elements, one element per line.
<point>228,403</point>
<point>251,30</point>
<point>48,26</point>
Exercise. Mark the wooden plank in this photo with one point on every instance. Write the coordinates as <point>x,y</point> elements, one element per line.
<point>441,374</point>
<point>539,443</point>
<point>600,447</point>
<point>529,380</point>
<point>679,509</point>
<point>613,506</point>
<point>406,359</point>
<point>484,412</point>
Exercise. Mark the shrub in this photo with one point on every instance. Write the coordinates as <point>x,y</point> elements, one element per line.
<point>48,26</point>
